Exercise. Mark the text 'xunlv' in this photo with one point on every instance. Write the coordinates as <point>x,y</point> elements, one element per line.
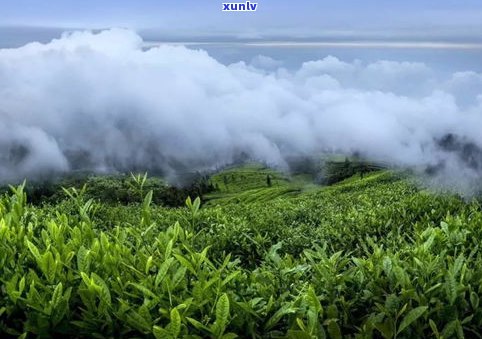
<point>240,7</point>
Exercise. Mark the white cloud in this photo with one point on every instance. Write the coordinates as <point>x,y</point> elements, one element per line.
<point>266,62</point>
<point>100,101</point>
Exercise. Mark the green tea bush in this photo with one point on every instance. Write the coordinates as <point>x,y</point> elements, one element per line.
<point>370,258</point>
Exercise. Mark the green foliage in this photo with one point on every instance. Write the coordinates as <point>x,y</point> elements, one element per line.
<point>336,171</point>
<point>372,257</point>
<point>115,189</point>
<point>252,183</point>
<point>247,177</point>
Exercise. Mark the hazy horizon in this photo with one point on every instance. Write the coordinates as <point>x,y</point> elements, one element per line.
<point>410,20</point>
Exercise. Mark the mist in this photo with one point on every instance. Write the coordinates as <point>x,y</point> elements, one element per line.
<point>101,102</point>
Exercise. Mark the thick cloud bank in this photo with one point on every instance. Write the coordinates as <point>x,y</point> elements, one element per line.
<point>102,102</point>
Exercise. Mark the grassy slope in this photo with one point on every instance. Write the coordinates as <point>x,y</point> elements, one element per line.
<point>360,258</point>
<point>248,183</point>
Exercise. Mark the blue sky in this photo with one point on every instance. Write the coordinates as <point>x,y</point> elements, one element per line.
<point>417,19</point>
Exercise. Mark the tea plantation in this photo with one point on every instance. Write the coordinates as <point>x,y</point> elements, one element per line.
<point>263,256</point>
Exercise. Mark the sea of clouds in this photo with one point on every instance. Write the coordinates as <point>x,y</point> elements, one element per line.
<point>102,102</point>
